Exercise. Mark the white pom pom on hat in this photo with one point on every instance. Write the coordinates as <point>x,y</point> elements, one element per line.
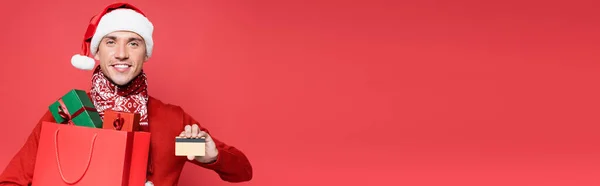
<point>115,17</point>
<point>82,62</point>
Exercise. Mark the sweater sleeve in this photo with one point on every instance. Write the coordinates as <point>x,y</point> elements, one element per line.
<point>19,170</point>
<point>231,164</point>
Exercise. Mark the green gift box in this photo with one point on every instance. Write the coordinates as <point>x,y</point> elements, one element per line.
<point>76,108</point>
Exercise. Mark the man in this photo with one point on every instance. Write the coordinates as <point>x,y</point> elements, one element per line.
<point>120,38</point>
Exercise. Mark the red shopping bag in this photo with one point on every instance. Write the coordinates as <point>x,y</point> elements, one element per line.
<point>75,155</point>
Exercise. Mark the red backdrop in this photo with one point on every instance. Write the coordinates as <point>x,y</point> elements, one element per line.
<point>461,92</point>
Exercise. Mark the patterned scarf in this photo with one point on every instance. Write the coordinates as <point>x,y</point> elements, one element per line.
<point>132,98</point>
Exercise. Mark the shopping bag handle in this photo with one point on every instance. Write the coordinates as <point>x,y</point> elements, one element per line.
<point>58,160</point>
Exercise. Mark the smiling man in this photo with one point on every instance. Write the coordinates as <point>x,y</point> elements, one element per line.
<point>121,63</point>
<point>120,38</point>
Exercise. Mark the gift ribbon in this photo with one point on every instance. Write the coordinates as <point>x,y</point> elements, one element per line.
<point>87,166</point>
<point>64,112</point>
<point>118,123</point>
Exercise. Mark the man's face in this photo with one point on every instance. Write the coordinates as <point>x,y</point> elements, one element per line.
<point>121,55</point>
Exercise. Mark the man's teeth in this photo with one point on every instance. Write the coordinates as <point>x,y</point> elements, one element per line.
<point>121,66</point>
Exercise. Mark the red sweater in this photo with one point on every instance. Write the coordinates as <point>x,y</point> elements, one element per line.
<point>165,122</point>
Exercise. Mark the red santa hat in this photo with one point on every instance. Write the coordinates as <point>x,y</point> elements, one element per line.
<point>115,17</point>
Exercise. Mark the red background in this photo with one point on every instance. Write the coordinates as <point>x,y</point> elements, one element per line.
<point>461,92</point>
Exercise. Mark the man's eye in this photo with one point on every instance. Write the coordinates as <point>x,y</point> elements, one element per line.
<point>133,44</point>
<point>110,42</point>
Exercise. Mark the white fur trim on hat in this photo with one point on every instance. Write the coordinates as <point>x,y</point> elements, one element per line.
<point>123,20</point>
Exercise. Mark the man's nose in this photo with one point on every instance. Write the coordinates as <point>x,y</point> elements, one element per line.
<point>121,52</point>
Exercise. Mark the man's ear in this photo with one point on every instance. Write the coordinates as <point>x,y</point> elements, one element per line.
<point>145,56</point>
<point>97,55</point>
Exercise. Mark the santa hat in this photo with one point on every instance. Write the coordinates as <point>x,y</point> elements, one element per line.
<point>115,17</point>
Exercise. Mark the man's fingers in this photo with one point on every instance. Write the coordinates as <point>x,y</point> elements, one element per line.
<point>188,131</point>
<point>195,131</point>
<point>190,157</point>
<point>206,135</point>
<point>201,134</point>
<point>182,134</point>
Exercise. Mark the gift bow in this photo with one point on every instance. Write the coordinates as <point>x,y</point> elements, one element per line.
<point>118,123</point>
<point>64,112</point>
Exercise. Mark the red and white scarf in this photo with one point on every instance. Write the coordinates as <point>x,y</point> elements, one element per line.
<point>132,98</point>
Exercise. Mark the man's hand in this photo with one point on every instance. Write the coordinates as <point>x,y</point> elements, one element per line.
<point>194,131</point>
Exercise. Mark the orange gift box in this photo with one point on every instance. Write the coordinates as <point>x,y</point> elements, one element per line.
<point>123,121</point>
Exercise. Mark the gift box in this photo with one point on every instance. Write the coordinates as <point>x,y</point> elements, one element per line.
<point>123,121</point>
<point>75,155</point>
<point>77,108</point>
